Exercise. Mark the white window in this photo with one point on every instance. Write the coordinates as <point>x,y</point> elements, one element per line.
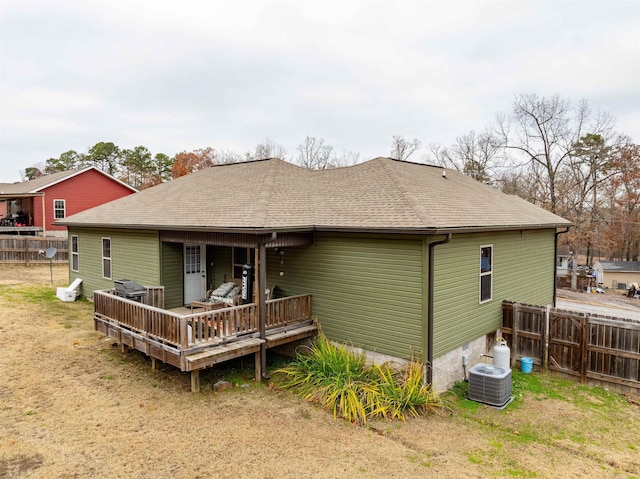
<point>486,273</point>
<point>59,209</point>
<point>75,255</point>
<point>106,258</point>
<point>192,261</point>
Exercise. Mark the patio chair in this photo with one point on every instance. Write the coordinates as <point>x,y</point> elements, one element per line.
<point>225,295</point>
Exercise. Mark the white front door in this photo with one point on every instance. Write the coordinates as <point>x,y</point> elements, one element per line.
<point>195,273</point>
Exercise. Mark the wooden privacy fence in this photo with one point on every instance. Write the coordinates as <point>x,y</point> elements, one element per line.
<point>586,346</point>
<point>25,249</point>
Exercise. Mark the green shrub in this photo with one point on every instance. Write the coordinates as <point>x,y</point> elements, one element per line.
<point>341,381</point>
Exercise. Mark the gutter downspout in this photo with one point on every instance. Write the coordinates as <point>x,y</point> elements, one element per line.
<point>262,298</point>
<point>430,277</point>
<point>555,263</point>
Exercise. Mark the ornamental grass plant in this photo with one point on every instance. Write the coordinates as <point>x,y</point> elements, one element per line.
<point>342,382</point>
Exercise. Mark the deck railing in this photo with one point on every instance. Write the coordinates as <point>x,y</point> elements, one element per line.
<point>196,329</point>
<point>151,321</point>
<point>283,311</point>
<point>220,324</point>
<point>154,296</point>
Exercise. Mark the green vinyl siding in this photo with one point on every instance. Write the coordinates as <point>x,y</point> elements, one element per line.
<point>135,256</point>
<point>523,265</point>
<point>172,274</point>
<point>222,268</point>
<point>367,291</point>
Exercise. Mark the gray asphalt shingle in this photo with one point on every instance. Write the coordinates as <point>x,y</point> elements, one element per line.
<point>380,194</point>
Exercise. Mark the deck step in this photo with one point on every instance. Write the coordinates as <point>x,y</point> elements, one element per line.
<point>290,335</point>
<point>222,352</point>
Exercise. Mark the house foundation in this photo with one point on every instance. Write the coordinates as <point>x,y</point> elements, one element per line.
<point>449,369</point>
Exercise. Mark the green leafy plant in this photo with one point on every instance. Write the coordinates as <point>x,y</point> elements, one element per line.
<point>396,393</point>
<point>341,381</point>
<point>330,376</point>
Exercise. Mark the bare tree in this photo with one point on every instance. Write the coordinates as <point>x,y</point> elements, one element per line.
<point>314,154</point>
<point>543,131</point>
<point>475,155</point>
<point>346,158</point>
<point>520,182</point>
<point>402,149</point>
<point>622,226</point>
<point>270,149</point>
<point>230,156</point>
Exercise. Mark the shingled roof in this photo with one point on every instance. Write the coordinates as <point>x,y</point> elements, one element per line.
<point>45,181</point>
<point>272,195</point>
<point>621,266</point>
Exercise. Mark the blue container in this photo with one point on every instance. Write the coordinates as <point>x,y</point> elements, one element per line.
<point>526,365</point>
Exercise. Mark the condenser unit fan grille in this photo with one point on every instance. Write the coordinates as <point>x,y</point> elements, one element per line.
<point>489,384</point>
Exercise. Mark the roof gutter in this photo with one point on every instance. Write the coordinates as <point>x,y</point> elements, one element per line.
<point>439,230</point>
<point>555,263</point>
<point>430,280</point>
<point>195,229</point>
<point>309,228</point>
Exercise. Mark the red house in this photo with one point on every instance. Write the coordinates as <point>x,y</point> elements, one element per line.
<point>32,206</point>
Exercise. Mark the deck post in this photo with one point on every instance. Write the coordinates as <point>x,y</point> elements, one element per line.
<point>195,381</point>
<point>262,308</point>
<point>258,365</point>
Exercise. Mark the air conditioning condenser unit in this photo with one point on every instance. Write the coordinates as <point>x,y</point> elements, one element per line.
<point>490,385</point>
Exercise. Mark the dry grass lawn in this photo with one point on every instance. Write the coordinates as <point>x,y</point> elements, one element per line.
<point>71,405</point>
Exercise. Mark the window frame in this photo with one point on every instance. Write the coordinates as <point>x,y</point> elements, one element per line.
<point>75,254</point>
<point>56,209</point>
<point>484,274</point>
<point>250,259</point>
<point>107,258</point>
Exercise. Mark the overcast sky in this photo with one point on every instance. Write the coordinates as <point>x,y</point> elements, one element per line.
<point>180,75</point>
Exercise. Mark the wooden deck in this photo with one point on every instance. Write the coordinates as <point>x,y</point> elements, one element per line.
<point>199,340</point>
<point>17,230</point>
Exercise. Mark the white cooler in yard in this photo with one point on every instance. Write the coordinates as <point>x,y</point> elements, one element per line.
<point>68,294</point>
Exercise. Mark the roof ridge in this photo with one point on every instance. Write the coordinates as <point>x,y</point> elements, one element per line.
<point>264,193</point>
<point>408,198</point>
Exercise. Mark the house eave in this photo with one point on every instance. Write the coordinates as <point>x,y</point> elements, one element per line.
<point>11,196</point>
<point>442,230</point>
<point>311,228</point>
<point>200,229</point>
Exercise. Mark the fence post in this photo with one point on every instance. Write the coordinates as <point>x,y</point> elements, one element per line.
<point>26,251</point>
<point>584,324</point>
<point>514,336</point>
<point>545,340</point>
